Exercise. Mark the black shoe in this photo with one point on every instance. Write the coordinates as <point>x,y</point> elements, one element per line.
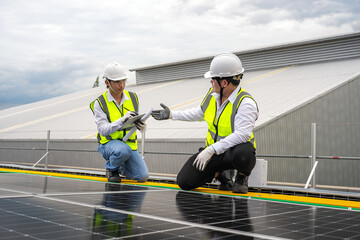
<point>241,184</point>
<point>225,178</point>
<point>113,176</point>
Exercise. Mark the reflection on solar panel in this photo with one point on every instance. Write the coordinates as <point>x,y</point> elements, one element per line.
<point>38,207</point>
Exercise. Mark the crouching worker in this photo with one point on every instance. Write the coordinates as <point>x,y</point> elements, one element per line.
<point>111,110</point>
<point>230,113</point>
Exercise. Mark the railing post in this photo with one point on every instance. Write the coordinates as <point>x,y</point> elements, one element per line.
<point>143,143</point>
<point>313,153</point>
<point>47,148</point>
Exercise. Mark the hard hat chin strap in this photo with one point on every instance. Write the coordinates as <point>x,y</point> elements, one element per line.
<point>113,89</point>
<point>221,88</point>
<point>111,86</point>
<point>234,80</point>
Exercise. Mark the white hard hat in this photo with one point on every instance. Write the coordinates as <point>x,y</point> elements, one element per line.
<point>114,71</point>
<point>225,65</point>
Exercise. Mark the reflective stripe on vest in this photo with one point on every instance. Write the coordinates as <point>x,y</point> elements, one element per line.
<point>113,113</point>
<point>226,118</point>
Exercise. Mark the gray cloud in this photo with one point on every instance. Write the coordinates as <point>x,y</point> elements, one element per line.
<point>56,47</point>
<point>52,77</point>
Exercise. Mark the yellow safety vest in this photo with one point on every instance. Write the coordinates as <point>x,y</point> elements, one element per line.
<point>224,125</point>
<point>113,113</point>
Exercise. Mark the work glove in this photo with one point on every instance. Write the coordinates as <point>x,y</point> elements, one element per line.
<point>128,114</point>
<point>203,158</point>
<point>162,114</point>
<point>140,125</point>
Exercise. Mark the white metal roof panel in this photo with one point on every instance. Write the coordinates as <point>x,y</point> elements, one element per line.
<point>277,91</point>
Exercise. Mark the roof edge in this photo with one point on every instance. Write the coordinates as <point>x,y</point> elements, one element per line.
<point>274,47</point>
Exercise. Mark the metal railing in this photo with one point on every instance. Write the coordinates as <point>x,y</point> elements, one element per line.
<point>313,156</point>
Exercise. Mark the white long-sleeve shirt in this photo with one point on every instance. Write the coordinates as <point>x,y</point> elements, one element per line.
<point>244,120</point>
<point>105,127</point>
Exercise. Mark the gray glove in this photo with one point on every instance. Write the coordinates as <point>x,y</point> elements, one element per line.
<point>128,114</point>
<point>161,114</point>
<point>140,125</point>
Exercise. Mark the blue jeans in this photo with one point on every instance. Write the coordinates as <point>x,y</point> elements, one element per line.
<point>120,157</point>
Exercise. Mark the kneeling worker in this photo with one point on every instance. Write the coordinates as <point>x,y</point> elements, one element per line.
<point>230,113</point>
<point>111,110</point>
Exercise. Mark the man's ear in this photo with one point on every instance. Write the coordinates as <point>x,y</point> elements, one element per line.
<point>106,82</point>
<point>225,83</point>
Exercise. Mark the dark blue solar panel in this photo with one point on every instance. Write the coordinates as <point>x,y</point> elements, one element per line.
<point>74,209</point>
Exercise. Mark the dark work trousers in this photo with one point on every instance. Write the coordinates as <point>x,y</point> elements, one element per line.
<point>241,157</point>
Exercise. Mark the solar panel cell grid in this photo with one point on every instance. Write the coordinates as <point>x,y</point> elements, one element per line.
<point>101,210</point>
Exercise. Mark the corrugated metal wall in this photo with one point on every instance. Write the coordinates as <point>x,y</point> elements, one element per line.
<point>341,47</point>
<point>337,116</point>
<point>173,72</point>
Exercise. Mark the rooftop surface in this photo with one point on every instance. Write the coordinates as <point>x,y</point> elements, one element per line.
<point>277,91</point>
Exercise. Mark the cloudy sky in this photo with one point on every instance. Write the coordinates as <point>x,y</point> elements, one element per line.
<point>50,48</point>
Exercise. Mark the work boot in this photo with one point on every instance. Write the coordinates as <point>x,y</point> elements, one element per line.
<point>225,178</point>
<point>113,176</point>
<point>241,184</point>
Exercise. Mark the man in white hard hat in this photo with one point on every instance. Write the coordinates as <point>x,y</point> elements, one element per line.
<point>111,110</point>
<point>230,113</point>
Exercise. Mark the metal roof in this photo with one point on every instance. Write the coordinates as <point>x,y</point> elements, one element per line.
<point>276,90</point>
<point>319,50</point>
<point>345,37</point>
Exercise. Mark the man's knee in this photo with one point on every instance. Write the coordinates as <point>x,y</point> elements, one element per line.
<point>143,178</point>
<point>120,155</point>
<point>123,152</point>
<point>143,174</point>
<point>244,158</point>
<point>183,184</point>
<point>184,177</point>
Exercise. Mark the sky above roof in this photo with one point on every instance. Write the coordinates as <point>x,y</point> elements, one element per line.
<point>51,48</point>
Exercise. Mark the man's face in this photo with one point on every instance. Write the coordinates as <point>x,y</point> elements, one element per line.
<point>118,86</point>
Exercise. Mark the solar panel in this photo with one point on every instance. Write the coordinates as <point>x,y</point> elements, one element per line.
<point>38,207</point>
